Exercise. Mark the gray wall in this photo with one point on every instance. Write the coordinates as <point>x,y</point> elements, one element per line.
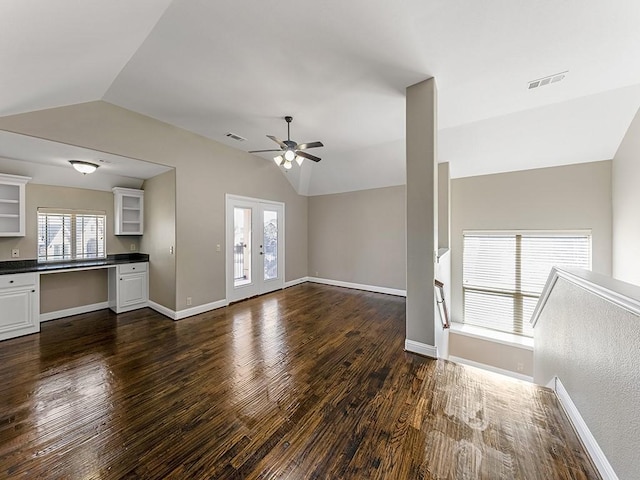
<point>555,198</point>
<point>59,291</point>
<point>160,236</point>
<point>626,203</point>
<point>422,209</point>
<point>205,171</point>
<point>359,237</point>
<point>591,345</point>
<point>444,204</point>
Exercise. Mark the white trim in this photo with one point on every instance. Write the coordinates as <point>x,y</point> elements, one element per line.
<point>189,312</point>
<point>595,452</point>
<point>167,312</point>
<point>67,312</point>
<point>420,348</point>
<point>619,293</point>
<point>491,368</point>
<point>359,286</point>
<point>516,341</point>
<point>297,281</point>
<point>559,233</point>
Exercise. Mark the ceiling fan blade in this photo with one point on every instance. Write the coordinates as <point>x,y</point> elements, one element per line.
<point>261,151</point>
<point>313,158</point>
<point>304,146</point>
<point>279,142</point>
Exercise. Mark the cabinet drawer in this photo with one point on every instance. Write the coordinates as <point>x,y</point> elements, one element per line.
<point>132,268</point>
<point>17,280</point>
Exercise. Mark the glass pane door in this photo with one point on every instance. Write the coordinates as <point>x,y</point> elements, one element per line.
<point>254,255</point>
<point>270,245</point>
<point>241,246</point>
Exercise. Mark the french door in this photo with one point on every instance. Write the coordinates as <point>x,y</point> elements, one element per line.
<point>254,247</point>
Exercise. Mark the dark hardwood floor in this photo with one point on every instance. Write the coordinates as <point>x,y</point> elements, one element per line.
<point>310,382</point>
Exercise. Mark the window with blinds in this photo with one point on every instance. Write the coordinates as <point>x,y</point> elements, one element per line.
<point>70,235</point>
<point>504,274</point>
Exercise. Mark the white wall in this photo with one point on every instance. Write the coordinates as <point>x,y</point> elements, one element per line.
<point>626,206</point>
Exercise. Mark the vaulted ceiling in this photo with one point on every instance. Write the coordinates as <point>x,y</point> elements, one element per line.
<point>341,70</point>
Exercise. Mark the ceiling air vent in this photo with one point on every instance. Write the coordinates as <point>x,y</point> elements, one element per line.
<point>235,137</point>
<point>541,82</point>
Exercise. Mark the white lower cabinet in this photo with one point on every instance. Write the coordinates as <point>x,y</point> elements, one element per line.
<point>19,305</point>
<point>128,287</point>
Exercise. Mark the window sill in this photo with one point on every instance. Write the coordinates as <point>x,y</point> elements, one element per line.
<point>492,336</point>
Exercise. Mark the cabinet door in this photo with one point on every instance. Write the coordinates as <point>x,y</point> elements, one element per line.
<point>132,289</point>
<point>16,313</point>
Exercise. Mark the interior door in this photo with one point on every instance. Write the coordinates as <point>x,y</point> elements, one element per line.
<point>254,247</point>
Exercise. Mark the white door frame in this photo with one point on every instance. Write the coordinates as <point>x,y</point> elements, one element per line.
<point>258,285</point>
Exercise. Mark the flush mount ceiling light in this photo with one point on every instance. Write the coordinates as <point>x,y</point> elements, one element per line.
<point>83,167</point>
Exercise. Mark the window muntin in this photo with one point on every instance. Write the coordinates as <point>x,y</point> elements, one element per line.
<point>70,235</point>
<point>504,274</point>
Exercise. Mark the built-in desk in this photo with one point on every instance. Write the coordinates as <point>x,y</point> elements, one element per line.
<point>20,288</point>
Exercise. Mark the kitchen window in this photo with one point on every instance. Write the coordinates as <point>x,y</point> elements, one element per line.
<point>70,234</point>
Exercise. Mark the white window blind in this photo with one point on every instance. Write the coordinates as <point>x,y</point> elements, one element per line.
<point>70,235</point>
<point>504,274</point>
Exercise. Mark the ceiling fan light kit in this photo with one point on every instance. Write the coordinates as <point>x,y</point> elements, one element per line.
<point>290,150</point>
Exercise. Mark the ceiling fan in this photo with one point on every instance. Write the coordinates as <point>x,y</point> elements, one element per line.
<point>290,150</point>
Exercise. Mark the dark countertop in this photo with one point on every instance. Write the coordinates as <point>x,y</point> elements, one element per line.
<point>28,266</point>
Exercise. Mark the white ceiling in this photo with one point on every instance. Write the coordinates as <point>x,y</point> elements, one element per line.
<point>341,70</point>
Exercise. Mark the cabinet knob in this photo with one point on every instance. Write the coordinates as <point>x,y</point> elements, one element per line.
<point>120,278</point>
<point>133,268</point>
<point>33,291</point>
<point>10,281</point>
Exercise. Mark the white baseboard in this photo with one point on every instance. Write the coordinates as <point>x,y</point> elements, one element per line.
<point>359,286</point>
<point>188,312</point>
<point>491,368</point>
<point>67,312</point>
<point>167,312</point>
<point>297,281</point>
<point>420,348</point>
<point>589,442</point>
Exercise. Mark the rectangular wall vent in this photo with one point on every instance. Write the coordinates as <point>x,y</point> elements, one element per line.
<point>235,137</point>
<point>541,82</point>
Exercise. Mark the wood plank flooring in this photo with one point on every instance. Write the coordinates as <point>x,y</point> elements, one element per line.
<point>306,383</point>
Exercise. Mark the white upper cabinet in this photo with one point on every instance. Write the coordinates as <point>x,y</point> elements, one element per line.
<point>12,205</point>
<point>129,211</point>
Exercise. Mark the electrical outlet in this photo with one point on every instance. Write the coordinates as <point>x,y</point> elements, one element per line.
<point>218,247</point>
<point>171,250</point>
<point>133,247</point>
<point>188,300</point>
<point>15,253</point>
<point>520,367</point>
